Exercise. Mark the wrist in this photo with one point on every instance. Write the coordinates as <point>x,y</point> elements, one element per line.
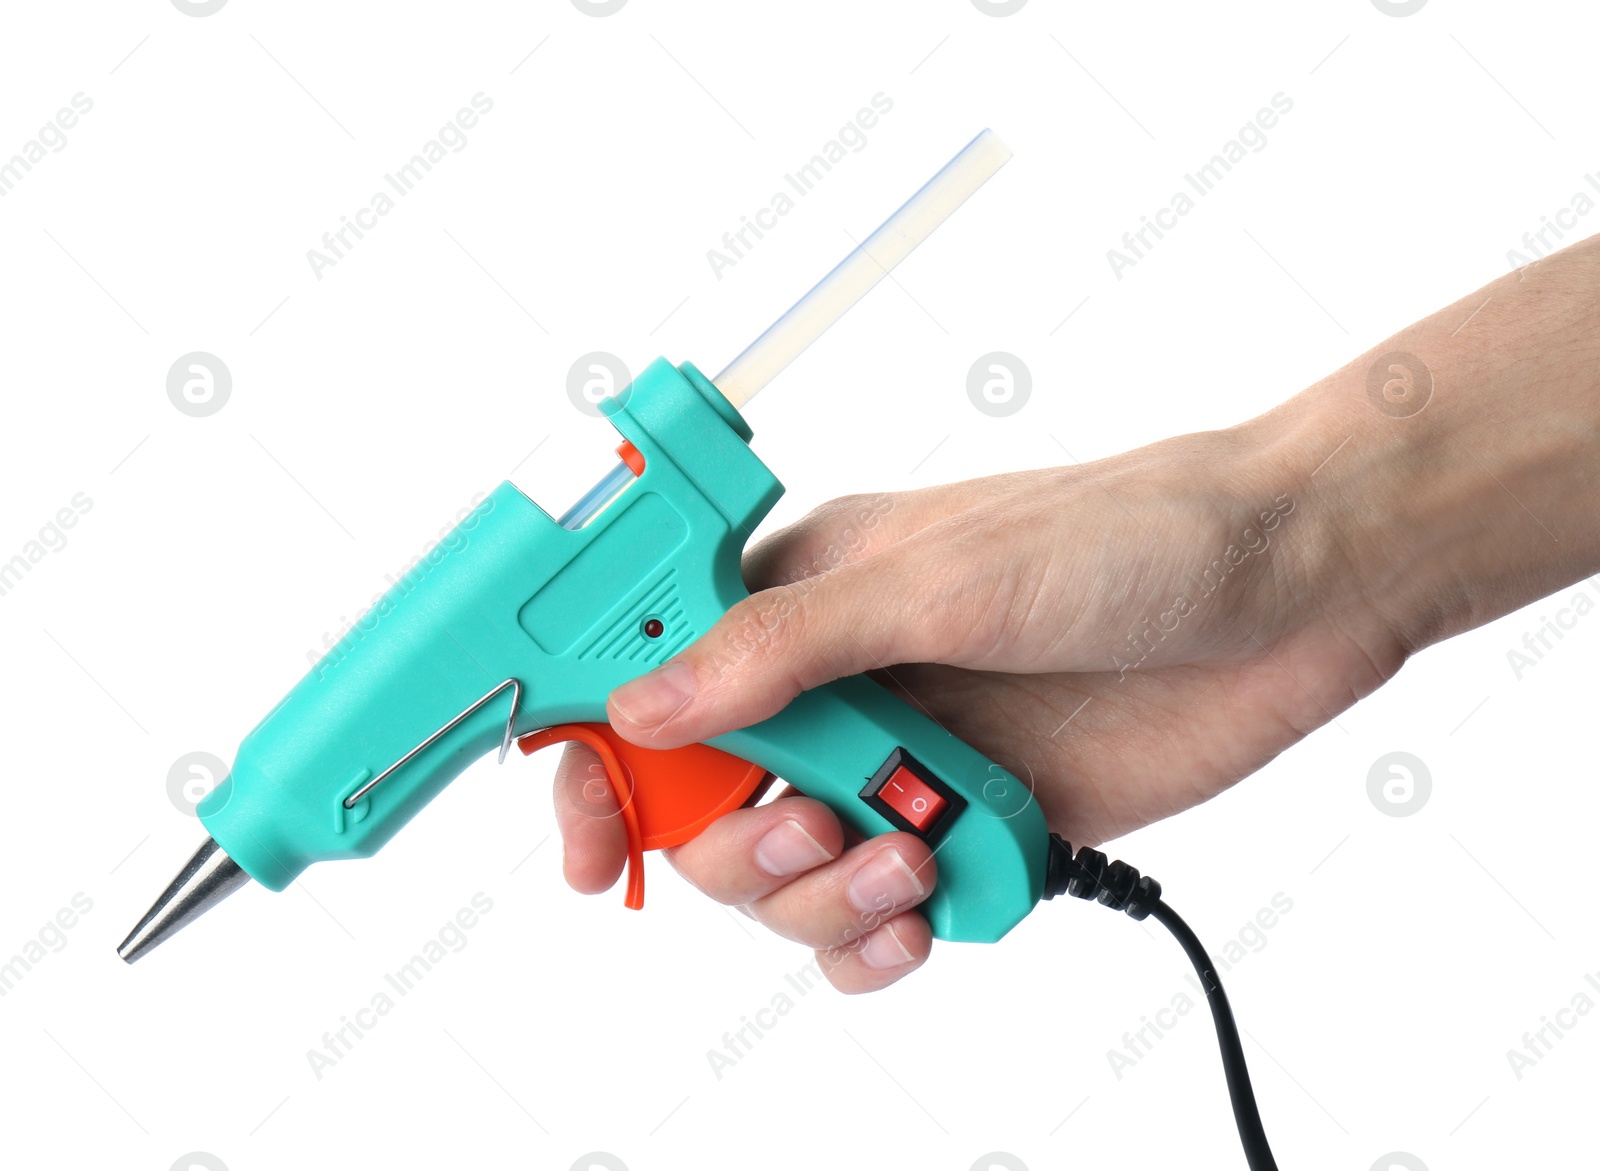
<point>1447,473</point>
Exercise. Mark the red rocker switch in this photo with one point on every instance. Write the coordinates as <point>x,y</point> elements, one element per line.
<point>910,797</point>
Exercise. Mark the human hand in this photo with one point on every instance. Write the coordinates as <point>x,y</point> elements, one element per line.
<point>1130,637</point>
<point>1134,635</point>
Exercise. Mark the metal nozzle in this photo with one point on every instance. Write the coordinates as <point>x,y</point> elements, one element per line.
<point>209,877</point>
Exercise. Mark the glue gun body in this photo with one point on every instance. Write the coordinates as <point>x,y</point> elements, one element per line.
<point>517,622</point>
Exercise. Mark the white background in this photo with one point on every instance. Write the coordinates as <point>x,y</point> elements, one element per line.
<point>370,405</point>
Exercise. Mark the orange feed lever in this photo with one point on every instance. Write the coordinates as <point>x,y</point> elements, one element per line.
<point>667,796</point>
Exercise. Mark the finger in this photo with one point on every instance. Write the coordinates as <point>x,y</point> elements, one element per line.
<point>906,604</point>
<point>840,531</point>
<point>885,954</point>
<point>749,853</point>
<point>594,840</point>
<point>852,896</point>
<point>782,790</point>
<point>855,527</point>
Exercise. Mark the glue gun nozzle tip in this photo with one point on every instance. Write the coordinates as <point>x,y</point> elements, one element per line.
<point>208,878</point>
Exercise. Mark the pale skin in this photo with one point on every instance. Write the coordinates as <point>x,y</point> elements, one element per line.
<point>1001,605</point>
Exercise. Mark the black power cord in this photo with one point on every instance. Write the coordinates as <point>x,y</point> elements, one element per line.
<point>1119,886</point>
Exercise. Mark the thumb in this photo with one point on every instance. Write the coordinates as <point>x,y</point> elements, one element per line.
<point>779,642</point>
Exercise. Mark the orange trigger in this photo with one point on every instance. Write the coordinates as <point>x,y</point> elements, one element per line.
<point>667,796</point>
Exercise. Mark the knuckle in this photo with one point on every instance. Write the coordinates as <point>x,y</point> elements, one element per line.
<point>763,626</point>
<point>832,535</point>
<point>853,526</point>
<point>843,951</point>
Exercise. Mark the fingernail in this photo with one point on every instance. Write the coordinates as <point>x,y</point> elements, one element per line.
<point>651,700</point>
<point>884,882</point>
<point>787,849</point>
<point>883,949</point>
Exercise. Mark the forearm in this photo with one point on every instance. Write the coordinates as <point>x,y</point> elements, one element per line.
<point>1446,513</point>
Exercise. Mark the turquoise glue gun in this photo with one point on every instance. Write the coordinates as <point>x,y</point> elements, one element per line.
<point>519,626</point>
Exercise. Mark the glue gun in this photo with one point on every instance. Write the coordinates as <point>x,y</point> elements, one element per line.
<point>520,625</point>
